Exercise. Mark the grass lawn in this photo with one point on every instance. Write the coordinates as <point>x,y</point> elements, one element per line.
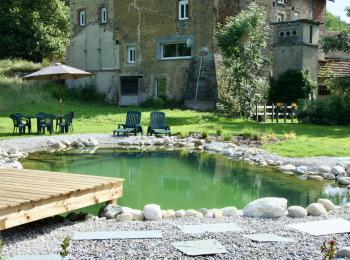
<point>31,98</point>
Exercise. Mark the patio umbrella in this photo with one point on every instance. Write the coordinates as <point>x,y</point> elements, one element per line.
<point>58,71</point>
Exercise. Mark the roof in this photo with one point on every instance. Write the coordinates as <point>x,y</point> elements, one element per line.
<point>340,68</point>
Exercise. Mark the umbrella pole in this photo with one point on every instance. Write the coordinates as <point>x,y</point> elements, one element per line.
<point>61,105</point>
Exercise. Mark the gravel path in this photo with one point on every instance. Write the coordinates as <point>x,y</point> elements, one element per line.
<point>45,237</point>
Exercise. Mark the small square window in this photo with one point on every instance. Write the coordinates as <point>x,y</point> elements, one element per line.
<point>131,55</point>
<point>104,15</point>
<point>280,17</point>
<point>183,9</point>
<point>296,15</point>
<point>82,17</point>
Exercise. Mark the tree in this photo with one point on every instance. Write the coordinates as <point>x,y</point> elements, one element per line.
<point>33,30</point>
<point>243,44</point>
<point>291,86</point>
<point>335,23</point>
<point>340,42</point>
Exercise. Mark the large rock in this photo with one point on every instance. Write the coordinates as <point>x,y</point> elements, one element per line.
<point>266,207</point>
<point>338,170</point>
<point>328,176</point>
<point>110,211</point>
<point>343,252</point>
<point>297,212</point>
<point>324,169</point>
<point>152,212</point>
<point>136,214</point>
<point>344,180</point>
<point>327,204</point>
<point>168,214</point>
<point>193,213</point>
<point>180,213</point>
<point>287,168</point>
<point>316,209</point>
<point>229,211</point>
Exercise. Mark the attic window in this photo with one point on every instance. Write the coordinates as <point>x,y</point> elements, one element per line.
<point>104,15</point>
<point>82,17</point>
<point>183,9</point>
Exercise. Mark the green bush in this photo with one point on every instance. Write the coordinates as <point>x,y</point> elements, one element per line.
<point>87,93</point>
<point>162,103</point>
<point>291,86</point>
<point>331,110</point>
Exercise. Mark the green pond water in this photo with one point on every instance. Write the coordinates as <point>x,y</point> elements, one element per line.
<point>178,179</point>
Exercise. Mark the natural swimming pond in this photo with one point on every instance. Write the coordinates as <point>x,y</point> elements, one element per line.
<point>183,180</point>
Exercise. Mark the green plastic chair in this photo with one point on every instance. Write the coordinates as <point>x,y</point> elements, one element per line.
<point>158,125</point>
<point>66,123</point>
<point>17,124</point>
<point>132,124</point>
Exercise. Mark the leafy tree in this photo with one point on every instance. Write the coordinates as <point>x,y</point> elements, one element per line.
<point>243,44</point>
<point>291,86</point>
<point>335,23</point>
<point>33,30</point>
<point>340,42</point>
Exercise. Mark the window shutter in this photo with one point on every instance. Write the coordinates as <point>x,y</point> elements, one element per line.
<point>189,9</point>
<point>78,17</point>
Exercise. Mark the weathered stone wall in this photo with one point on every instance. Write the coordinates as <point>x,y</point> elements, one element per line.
<point>146,25</point>
<point>93,47</point>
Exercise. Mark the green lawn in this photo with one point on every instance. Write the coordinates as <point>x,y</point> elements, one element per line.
<point>31,97</point>
<point>311,140</point>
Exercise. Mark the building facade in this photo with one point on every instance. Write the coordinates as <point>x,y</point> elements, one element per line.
<point>141,49</point>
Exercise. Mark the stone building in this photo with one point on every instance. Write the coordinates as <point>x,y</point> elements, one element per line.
<point>161,48</point>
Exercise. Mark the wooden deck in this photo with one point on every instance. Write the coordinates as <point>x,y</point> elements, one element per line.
<point>29,195</point>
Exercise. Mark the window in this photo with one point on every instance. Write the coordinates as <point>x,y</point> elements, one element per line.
<point>104,15</point>
<point>311,33</point>
<point>280,2</point>
<point>183,9</point>
<point>280,18</point>
<point>323,91</point>
<point>82,17</point>
<point>296,15</point>
<point>160,88</point>
<point>131,55</point>
<point>176,50</point>
<point>129,86</point>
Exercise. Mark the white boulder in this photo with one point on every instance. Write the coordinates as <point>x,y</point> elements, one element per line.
<point>328,176</point>
<point>338,170</point>
<point>343,253</point>
<point>110,211</point>
<point>180,213</point>
<point>287,168</point>
<point>193,213</point>
<point>327,204</point>
<point>297,212</point>
<point>344,180</point>
<point>316,209</point>
<point>152,212</point>
<point>229,211</point>
<point>266,207</point>
<point>124,217</point>
<point>324,169</point>
<point>166,214</point>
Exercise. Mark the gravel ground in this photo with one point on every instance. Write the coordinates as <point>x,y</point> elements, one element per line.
<point>44,237</point>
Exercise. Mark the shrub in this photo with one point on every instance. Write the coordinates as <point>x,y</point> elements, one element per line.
<point>331,110</point>
<point>160,103</point>
<point>291,86</point>
<point>87,93</point>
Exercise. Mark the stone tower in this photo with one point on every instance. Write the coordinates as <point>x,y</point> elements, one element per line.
<point>295,46</point>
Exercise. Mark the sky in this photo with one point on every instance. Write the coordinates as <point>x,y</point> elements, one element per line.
<point>338,8</point>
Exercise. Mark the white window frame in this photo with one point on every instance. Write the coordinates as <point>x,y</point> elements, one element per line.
<point>82,17</point>
<point>104,17</point>
<point>280,2</point>
<point>131,54</point>
<point>280,16</point>
<point>296,16</point>
<point>173,58</point>
<point>183,4</point>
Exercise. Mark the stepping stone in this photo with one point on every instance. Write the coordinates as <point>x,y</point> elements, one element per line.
<point>263,237</point>
<point>200,247</point>
<point>118,235</point>
<point>36,257</point>
<point>323,227</point>
<point>213,228</point>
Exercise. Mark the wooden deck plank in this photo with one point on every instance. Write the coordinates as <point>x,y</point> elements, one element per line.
<point>29,195</point>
